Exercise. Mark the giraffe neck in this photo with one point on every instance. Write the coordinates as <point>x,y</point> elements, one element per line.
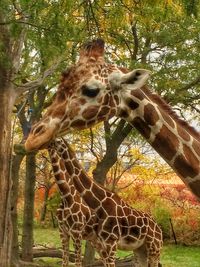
<point>176,142</point>
<point>62,178</point>
<point>91,192</point>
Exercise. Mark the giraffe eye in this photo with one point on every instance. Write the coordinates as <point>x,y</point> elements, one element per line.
<point>90,92</point>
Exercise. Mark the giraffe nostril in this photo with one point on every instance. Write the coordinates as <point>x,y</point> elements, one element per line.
<point>39,129</point>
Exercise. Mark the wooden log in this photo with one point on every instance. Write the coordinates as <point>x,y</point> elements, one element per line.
<point>51,253</point>
<point>27,264</point>
<point>56,253</point>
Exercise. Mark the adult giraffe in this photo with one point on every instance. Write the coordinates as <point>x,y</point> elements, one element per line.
<point>92,91</point>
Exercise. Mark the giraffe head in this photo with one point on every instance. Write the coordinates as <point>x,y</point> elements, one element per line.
<point>89,92</point>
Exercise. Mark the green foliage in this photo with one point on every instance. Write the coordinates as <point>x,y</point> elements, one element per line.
<point>53,202</point>
<point>47,236</point>
<point>162,215</point>
<point>191,7</point>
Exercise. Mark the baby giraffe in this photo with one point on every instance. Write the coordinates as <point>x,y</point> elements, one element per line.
<point>117,225</point>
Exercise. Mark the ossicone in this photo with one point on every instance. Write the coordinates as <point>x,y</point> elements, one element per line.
<point>94,48</point>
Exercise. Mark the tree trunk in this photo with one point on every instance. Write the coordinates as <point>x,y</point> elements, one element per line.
<point>113,141</point>
<point>16,162</point>
<point>7,98</point>
<point>29,194</point>
<point>103,166</point>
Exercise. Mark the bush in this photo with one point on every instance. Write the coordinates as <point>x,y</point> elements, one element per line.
<point>162,215</point>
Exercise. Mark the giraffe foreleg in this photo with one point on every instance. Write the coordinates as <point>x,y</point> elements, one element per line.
<point>153,254</point>
<point>65,246</point>
<point>77,250</point>
<point>109,254</point>
<point>140,257</point>
<point>154,261</point>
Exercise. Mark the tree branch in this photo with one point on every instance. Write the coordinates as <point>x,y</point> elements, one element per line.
<point>94,18</point>
<point>29,86</point>
<point>189,85</point>
<point>136,41</point>
<point>107,133</point>
<point>23,22</point>
<point>194,108</point>
<point>145,50</point>
<point>17,50</point>
<point>92,145</point>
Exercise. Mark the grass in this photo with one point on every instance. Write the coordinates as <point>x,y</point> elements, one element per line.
<point>172,256</point>
<point>47,236</point>
<point>184,256</point>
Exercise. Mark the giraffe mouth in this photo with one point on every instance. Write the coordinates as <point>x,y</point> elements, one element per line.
<point>39,142</point>
<point>45,145</point>
<point>29,147</point>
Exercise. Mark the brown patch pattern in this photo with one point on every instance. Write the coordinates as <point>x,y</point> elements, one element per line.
<point>196,147</point>
<point>132,104</point>
<point>150,114</point>
<point>142,127</point>
<point>187,164</point>
<point>183,133</point>
<point>166,143</point>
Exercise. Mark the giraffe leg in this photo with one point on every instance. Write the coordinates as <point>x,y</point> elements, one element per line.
<point>65,246</point>
<point>154,260</point>
<point>100,251</point>
<point>110,261</point>
<point>110,254</point>
<point>140,257</point>
<point>77,251</point>
<point>107,262</point>
<point>110,264</point>
<point>153,254</point>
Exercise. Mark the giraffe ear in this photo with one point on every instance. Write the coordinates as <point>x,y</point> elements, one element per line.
<point>93,48</point>
<point>136,78</point>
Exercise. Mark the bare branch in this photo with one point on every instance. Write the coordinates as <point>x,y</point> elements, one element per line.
<point>136,41</point>
<point>29,86</point>
<point>189,85</point>
<point>145,50</point>
<point>93,17</point>
<point>107,133</point>
<point>194,108</point>
<point>127,185</point>
<point>46,158</point>
<point>23,22</point>
<point>92,145</point>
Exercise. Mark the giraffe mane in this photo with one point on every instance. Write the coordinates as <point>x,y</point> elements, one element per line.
<point>167,108</point>
<point>66,82</point>
<point>64,76</point>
